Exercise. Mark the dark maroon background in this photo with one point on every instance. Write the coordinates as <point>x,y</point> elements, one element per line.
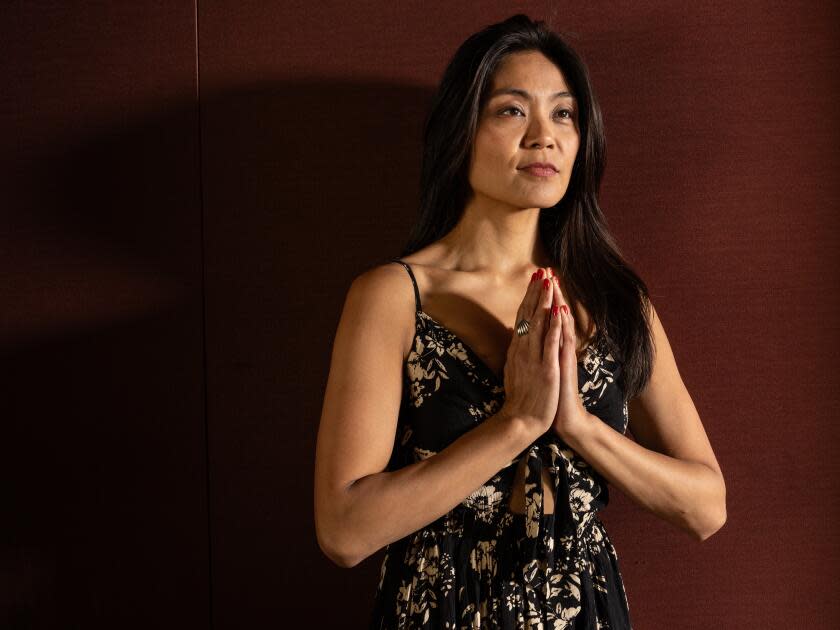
<point>188,192</point>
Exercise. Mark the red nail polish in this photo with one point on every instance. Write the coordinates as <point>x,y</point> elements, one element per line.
<point>533,276</point>
<point>565,309</point>
<point>546,283</point>
<point>539,273</point>
<point>555,311</point>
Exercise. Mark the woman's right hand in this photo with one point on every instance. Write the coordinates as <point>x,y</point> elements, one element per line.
<point>532,372</point>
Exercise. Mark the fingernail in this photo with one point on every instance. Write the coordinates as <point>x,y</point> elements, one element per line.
<point>546,283</point>
<point>565,309</point>
<point>539,273</point>
<point>533,276</point>
<point>555,311</point>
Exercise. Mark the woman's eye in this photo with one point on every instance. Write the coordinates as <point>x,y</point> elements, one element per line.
<point>516,109</point>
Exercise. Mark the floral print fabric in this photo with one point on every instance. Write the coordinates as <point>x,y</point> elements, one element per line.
<point>482,565</point>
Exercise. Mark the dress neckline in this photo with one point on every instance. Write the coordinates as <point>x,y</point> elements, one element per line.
<point>482,365</point>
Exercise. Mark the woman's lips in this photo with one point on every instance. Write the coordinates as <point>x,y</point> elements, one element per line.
<point>539,171</point>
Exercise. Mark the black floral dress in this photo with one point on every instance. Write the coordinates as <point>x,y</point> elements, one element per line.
<point>482,565</point>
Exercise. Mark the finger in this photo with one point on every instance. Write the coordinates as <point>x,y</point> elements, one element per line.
<point>520,312</point>
<point>552,337</point>
<point>532,294</point>
<point>524,310</point>
<point>532,297</point>
<point>569,336</point>
<point>539,317</point>
<point>559,298</point>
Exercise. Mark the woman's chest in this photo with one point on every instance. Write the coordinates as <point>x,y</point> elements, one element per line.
<point>449,390</point>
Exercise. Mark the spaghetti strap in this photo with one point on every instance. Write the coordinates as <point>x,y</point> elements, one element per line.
<point>413,281</point>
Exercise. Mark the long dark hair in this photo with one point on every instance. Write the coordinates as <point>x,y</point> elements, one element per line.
<point>574,231</point>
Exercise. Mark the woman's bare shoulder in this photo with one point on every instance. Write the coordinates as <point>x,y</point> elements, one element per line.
<point>382,297</point>
<point>383,283</point>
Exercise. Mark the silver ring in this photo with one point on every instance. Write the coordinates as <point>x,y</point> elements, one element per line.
<point>522,327</point>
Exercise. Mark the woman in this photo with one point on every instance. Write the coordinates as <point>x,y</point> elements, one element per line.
<point>472,431</point>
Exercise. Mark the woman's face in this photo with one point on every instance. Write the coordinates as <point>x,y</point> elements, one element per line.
<point>518,128</point>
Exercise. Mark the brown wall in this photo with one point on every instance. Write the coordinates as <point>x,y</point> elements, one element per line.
<point>188,191</point>
<point>103,478</point>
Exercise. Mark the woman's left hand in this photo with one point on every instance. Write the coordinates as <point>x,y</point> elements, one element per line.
<point>571,414</point>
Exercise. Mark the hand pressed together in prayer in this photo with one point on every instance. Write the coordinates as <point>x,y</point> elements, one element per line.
<point>541,377</point>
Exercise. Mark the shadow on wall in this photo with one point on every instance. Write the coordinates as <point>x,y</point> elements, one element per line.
<point>113,224</point>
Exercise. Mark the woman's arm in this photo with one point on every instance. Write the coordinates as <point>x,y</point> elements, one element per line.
<point>360,507</point>
<point>670,469</point>
<point>383,507</point>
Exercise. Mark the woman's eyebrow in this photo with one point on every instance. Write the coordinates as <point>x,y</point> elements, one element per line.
<point>523,93</point>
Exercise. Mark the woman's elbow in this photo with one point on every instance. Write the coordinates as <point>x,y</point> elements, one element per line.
<point>335,544</point>
<point>714,523</point>
<point>709,532</point>
<point>340,559</point>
